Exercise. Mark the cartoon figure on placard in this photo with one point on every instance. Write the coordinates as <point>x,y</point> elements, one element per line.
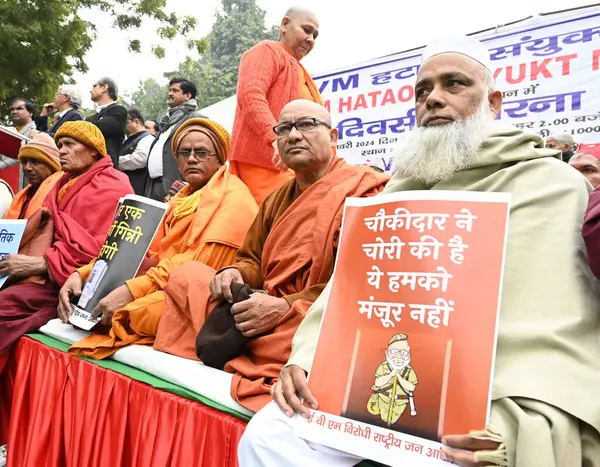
<point>395,382</point>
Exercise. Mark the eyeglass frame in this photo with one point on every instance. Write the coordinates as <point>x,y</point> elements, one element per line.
<point>196,155</point>
<point>316,123</point>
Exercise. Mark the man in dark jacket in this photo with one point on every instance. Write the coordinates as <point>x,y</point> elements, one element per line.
<point>162,166</point>
<point>110,117</point>
<point>66,102</point>
<point>134,152</point>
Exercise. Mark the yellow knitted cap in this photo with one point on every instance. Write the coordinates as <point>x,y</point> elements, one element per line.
<point>86,133</point>
<point>221,135</point>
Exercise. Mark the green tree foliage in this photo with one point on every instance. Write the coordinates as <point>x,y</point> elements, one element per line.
<point>42,42</point>
<point>237,27</point>
<point>150,98</point>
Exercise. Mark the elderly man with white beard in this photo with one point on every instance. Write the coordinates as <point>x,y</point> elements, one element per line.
<point>545,410</point>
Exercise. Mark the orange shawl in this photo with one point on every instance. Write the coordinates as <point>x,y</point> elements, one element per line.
<point>16,207</point>
<point>210,234</point>
<point>299,253</point>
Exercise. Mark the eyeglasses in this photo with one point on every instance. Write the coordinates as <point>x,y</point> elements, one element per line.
<point>403,352</point>
<point>200,154</point>
<point>304,125</point>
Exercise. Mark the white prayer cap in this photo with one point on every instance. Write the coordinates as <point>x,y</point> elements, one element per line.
<point>464,45</point>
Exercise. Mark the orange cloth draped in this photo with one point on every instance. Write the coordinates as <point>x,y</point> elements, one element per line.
<point>15,210</point>
<point>288,254</point>
<point>261,181</point>
<point>270,78</point>
<point>211,234</point>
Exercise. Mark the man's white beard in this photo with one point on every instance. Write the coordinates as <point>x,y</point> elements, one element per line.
<point>434,154</point>
<point>393,366</point>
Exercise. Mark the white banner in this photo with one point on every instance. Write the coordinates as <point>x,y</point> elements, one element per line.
<point>548,74</point>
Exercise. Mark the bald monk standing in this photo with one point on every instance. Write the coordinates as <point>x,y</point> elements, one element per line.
<point>40,163</point>
<point>270,76</point>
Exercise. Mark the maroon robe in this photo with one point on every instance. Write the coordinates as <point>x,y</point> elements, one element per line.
<point>81,221</point>
<point>591,232</point>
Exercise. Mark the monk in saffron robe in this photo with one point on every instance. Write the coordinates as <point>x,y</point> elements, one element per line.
<point>289,253</point>
<point>78,211</point>
<point>39,161</point>
<point>206,222</point>
<point>270,76</point>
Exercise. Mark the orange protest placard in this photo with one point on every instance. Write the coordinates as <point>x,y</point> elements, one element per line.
<point>407,342</point>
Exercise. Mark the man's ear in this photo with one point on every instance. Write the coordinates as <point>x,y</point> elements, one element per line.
<point>333,133</point>
<point>495,100</point>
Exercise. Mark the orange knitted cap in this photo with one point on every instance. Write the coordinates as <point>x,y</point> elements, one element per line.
<point>86,133</point>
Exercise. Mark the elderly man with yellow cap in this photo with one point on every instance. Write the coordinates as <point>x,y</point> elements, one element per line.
<point>66,234</point>
<point>544,409</point>
<point>206,222</point>
<point>39,161</point>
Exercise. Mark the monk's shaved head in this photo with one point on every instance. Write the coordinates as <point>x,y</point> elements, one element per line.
<point>304,108</point>
<point>298,31</point>
<point>299,12</point>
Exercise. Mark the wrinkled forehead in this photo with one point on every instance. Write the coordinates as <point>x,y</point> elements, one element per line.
<point>305,19</point>
<point>197,137</point>
<point>446,64</point>
<point>584,161</point>
<point>293,113</point>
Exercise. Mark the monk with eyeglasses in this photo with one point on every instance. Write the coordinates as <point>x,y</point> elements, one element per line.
<point>286,259</point>
<point>206,223</point>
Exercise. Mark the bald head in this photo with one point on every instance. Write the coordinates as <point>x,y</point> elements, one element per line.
<point>298,31</point>
<point>306,108</point>
<point>296,12</point>
<point>305,140</point>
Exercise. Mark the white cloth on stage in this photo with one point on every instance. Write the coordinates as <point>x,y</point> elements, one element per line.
<point>269,440</point>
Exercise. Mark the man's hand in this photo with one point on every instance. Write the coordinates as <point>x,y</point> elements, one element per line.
<point>291,383</point>
<point>114,301</point>
<point>23,266</point>
<point>466,443</point>
<point>259,314</point>
<point>47,110</point>
<point>71,288</point>
<point>220,286</point>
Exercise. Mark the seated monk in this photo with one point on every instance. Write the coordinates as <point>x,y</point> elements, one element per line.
<point>39,160</point>
<point>64,235</point>
<point>288,253</point>
<point>544,409</point>
<point>206,222</point>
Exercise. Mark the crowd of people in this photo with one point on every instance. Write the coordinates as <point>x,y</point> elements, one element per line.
<point>236,275</point>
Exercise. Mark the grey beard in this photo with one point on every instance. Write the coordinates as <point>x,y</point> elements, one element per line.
<point>434,154</point>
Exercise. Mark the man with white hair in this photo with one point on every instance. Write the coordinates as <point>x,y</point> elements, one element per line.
<point>547,370</point>
<point>66,102</point>
<point>564,142</point>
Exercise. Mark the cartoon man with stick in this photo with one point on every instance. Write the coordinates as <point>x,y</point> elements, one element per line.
<point>395,382</point>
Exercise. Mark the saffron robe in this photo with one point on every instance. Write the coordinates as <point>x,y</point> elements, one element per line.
<point>81,220</point>
<point>547,370</point>
<point>20,208</point>
<point>289,252</point>
<point>207,226</point>
<point>269,78</point>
